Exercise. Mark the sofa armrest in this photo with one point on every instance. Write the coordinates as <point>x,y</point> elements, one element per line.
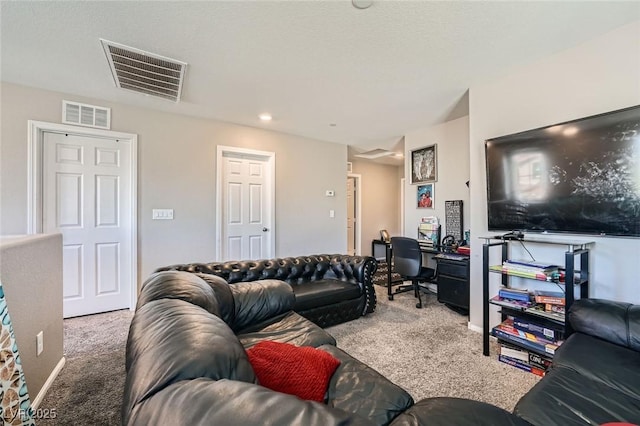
<point>447,411</point>
<point>257,301</point>
<point>207,402</point>
<point>179,285</point>
<point>615,322</point>
<point>353,266</point>
<point>361,268</point>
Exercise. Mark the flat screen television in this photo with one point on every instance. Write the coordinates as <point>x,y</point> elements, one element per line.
<point>579,177</point>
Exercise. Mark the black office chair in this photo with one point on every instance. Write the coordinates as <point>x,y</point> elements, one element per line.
<point>407,261</point>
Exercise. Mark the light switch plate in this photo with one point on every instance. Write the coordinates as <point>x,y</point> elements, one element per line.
<point>162,214</point>
<point>39,343</point>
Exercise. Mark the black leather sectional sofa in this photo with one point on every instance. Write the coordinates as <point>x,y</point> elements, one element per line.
<point>594,378</point>
<point>329,289</point>
<point>595,375</point>
<point>186,363</point>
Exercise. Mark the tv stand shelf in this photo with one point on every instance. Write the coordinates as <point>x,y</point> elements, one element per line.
<point>577,280</point>
<point>573,278</point>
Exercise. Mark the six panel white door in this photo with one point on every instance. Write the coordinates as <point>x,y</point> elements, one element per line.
<point>86,197</point>
<point>246,224</point>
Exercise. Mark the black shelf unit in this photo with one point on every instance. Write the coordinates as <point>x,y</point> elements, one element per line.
<point>574,249</point>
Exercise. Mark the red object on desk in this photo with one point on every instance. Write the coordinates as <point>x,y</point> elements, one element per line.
<point>464,250</point>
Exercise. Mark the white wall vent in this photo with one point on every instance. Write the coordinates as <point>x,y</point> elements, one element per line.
<point>86,115</point>
<point>349,167</point>
<point>145,72</point>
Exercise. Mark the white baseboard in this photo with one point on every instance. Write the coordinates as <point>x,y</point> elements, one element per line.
<point>35,403</point>
<point>473,327</point>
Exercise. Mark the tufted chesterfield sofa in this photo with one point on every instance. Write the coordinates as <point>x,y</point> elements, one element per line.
<point>329,289</point>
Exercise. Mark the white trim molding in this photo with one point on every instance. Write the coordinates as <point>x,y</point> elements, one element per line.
<point>47,384</point>
<point>358,188</point>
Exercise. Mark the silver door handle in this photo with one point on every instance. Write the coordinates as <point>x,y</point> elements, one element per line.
<point>265,229</point>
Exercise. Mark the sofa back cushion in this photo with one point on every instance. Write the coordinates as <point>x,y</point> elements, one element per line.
<point>293,270</point>
<point>615,322</point>
<point>258,301</point>
<point>224,296</point>
<point>182,286</point>
<point>172,340</point>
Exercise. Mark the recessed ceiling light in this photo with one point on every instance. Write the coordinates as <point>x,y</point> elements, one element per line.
<point>265,117</point>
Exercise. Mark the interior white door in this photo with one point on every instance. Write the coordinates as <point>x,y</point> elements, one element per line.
<point>351,216</point>
<point>247,225</point>
<point>87,197</point>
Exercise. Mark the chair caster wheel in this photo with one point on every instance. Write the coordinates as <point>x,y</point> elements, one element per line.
<point>419,305</point>
<point>390,297</point>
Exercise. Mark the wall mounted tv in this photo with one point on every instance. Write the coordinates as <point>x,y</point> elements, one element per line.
<point>580,177</point>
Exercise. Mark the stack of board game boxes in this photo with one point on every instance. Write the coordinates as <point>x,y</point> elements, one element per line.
<point>533,328</point>
<point>527,345</point>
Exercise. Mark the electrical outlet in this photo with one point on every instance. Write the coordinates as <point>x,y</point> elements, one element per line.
<point>39,343</point>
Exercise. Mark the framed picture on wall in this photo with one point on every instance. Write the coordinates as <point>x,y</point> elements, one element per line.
<point>424,165</point>
<point>425,196</point>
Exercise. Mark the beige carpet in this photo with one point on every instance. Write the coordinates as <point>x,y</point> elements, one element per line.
<point>429,352</point>
<point>89,389</point>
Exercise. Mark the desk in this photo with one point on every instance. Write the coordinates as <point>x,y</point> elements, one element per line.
<point>374,245</point>
<point>389,258</point>
<point>453,280</point>
<point>452,275</point>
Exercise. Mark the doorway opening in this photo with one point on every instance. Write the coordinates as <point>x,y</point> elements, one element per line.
<point>245,204</point>
<point>82,182</point>
<point>354,214</point>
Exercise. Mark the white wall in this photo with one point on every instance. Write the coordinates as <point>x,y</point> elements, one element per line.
<point>452,139</point>
<point>176,169</point>
<point>598,76</point>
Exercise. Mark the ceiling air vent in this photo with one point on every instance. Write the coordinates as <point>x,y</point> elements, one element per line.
<point>145,72</point>
<point>86,115</point>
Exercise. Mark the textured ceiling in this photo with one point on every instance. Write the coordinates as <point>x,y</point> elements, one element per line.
<point>376,73</point>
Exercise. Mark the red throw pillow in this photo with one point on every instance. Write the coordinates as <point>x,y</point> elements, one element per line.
<point>302,371</point>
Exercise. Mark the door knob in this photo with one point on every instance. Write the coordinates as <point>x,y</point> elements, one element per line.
<point>265,229</point>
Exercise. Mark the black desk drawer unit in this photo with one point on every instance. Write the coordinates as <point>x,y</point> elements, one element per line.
<point>453,282</point>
